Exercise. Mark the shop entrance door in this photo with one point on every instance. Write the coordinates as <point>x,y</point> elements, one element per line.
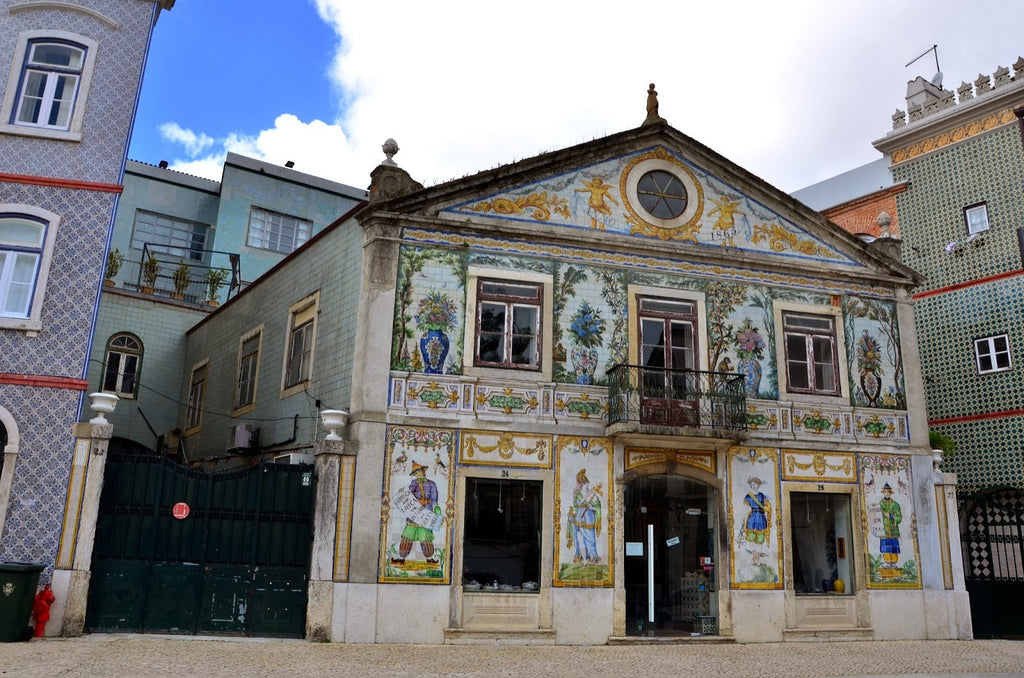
<point>670,573</point>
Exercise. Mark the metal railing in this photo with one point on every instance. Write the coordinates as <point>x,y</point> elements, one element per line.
<point>181,278</point>
<point>657,396</point>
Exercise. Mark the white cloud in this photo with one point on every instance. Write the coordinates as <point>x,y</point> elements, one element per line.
<point>794,92</point>
<point>194,143</point>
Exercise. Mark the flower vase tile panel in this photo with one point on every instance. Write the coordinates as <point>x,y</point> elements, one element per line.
<point>754,523</point>
<point>417,505</point>
<point>590,323</point>
<point>888,505</point>
<point>653,193</point>
<point>876,362</point>
<point>584,513</point>
<point>502,448</point>
<point>429,312</point>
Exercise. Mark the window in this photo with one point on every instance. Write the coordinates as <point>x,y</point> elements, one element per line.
<point>48,85</point>
<point>196,397</point>
<point>992,354</point>
<point>26,245</point>
<point>508,324</point>
<point>298,359</point>
<point>172,236</point>
<point>976,217</point>
<point>662,194</point>
<point>277,232</point>
<point>248,364</point>
<point>668,349</point>
<point>502,534</point>
<point>811,360</point>
<point>121,371</point>
<point>821,539</point>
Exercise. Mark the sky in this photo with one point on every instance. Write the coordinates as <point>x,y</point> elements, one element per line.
<point>794,91</point>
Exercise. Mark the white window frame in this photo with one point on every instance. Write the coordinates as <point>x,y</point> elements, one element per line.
<point>842,373</point>
<point>170,235</point>
<point>302,322</point>
<point>10,459</point>
<point>266,230</point>
<point>123,352</point>
<point>976,218</point>
<point>15,85</point>
<point>32,322</point>
<point>197,387</point>
<point>249,368</point>
<point>474,275</point>
<point>1001,360</point>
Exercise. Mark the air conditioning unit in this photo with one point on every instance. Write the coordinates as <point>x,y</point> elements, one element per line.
<point>240,437</point>
<point>294,458</point>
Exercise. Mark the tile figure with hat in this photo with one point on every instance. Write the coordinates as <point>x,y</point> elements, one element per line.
<point>424,491</point>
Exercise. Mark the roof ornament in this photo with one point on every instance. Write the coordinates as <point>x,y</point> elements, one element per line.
<point>652,107</point>
<point>390,147</point>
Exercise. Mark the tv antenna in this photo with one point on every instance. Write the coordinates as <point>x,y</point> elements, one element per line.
<point>937,78</point>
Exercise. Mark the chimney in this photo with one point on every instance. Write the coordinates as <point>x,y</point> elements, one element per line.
<point>922,92</point>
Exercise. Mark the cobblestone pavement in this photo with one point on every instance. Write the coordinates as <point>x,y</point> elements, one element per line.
<point>119,656</point>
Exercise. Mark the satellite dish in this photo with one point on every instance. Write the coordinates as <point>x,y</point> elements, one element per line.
<point>937,79</point>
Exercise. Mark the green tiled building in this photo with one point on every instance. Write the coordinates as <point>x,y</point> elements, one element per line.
<point>962,223</point>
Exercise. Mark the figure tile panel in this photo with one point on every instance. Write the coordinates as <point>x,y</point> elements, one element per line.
<point>417,505</point>
<point>584,512</point>
<point>754,523</point>
<point>889,521</point>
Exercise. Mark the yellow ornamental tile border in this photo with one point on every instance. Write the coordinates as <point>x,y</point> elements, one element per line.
<point>943,139</point>
<point>780,239</point>
<point>488,448</point>
<point>839,466</point>
<point>538,205</point>
<point>642,456</point>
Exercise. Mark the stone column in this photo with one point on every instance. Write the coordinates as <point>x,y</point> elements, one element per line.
<point>332,529</point>
<point>961,626</point>
<point>74,558</point>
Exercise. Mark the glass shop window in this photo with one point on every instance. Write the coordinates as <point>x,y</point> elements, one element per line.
<point>502,532</point>
<point>821,542</point>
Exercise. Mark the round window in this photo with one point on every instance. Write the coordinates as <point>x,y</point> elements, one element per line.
<point>662,194</point>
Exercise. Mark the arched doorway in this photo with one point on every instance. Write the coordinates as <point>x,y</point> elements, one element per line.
<point>670,574</point>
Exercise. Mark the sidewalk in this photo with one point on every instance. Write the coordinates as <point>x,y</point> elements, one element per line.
<point>121,656</point>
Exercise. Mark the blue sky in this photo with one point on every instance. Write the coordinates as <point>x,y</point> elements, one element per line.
<point>793,91</point>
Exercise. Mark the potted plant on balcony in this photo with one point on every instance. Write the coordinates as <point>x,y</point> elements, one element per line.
<point>585,332</point>
<point>181,281</point>
<point>215,277</point>
<point>149,273</point>
<point>114,261</point>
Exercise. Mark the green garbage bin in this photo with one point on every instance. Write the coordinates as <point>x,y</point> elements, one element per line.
<point>18,583</point>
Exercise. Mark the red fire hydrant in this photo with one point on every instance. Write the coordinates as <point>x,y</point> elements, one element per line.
<point>41,609</point>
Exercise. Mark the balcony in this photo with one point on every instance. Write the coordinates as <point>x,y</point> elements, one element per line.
<point>655,397</point>
<point>187,279</point>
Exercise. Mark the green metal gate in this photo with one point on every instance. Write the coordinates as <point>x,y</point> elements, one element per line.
<point>993,543</point>
<point>237,564</point>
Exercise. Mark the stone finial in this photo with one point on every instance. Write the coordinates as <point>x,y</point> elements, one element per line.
<point>914,112</point>
<point>884,221</point>
<point>390,147</point>
<point>947,100</point>
<point>965,91</point>
<point>899,119</point>
<point>652,107</point>
<point>1018,67</point>
<point>1002,76</point>
<point>982,85</point>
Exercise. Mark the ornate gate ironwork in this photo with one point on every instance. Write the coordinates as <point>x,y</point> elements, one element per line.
<point>993,544</point>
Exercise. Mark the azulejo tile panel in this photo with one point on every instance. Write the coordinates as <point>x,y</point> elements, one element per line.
<point>417,505</point>
<point>490,448</point>
<point>754,523</point>
<point>889,521</point>
<point>819,466</point>
<point>584,512</point>
<point>636,457</point>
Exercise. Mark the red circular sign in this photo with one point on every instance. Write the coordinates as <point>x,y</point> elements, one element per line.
<point>180,510</point>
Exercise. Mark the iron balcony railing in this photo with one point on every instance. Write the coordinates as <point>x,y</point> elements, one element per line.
<point>657,396</point>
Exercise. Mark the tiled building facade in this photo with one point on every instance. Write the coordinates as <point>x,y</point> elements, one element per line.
<point>557,372</point>
<point>69,77</point>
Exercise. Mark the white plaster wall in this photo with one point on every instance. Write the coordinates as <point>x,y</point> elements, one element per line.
<point>898,615</point>
<point>409,613</point>
<point>583,616</point>
<point>758,616</point>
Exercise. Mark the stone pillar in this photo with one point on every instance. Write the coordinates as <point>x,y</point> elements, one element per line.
<point>74,558</point>
<point>332,527</point>
<point>961,626</point>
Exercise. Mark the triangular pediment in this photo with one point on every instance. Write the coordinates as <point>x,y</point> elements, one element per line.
<point>656,194</point>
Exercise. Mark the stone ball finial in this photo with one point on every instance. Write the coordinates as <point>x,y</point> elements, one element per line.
<point>390,147</point>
